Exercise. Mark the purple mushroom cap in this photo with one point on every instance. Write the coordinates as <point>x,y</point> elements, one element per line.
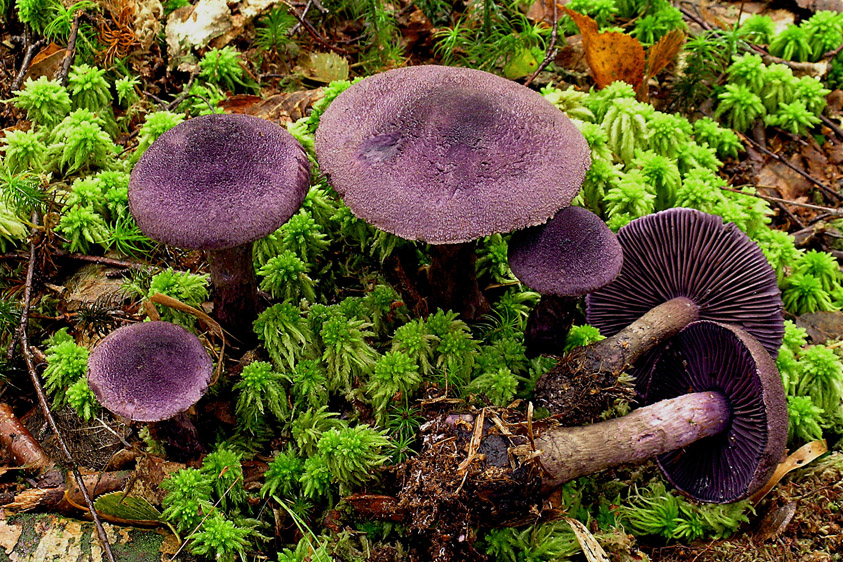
<point>447,155</point>
<point>737,462</point>
<point>218,181</point>
<point>687,253</point>
<point>149,371</point>
<point>574,253</point>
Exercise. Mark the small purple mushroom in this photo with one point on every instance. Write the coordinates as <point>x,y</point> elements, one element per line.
<point>149,371</point>
<point>447,155</point>
<point>574,253</point>
<point>218,183</point>
<point>717,420</point>
<point>679,266</point>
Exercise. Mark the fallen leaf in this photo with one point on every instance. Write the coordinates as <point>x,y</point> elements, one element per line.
<point>775,522</point>
<point>240,103</point>
<point>663,52</point>
<point>286,107</point>
<point>325,67</point>
<point>195,26</point>
<point>590,547</point>
<point>611,56</point>
<point>9,535</point>
<point>801,457</point>
<point>46,62</point>
<point>788,183</point>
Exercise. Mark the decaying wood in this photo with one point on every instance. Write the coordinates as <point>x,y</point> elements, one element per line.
<point>24,448</point>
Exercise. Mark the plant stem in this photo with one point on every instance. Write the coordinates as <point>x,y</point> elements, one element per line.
<point>668,425</point>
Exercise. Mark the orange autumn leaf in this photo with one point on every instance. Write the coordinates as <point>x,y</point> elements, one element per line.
<point>659,56</point>
<point>611,56</point>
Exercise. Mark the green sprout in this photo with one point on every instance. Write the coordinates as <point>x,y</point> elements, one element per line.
<point>346,354</point>
<point>498,386</point>
<point>127,90</point>
<point>632,196</point>
<point>697,156</point>
<point>155,125</point>
<point>805,420</point>
<point>82,399</point>
<point>223,469</point>
<point>189,288</point>
<point>285,334</point>
<point>221,539</point>
<point>283,474</point>
<point>188,498</point>
<point>309,382</point>
<point>46,102</point>
<point>757,28</point>
<point>779,87</point>
<point>260,390</point>
<point>414,340</point>
<point>661,173</point>
<point>353,453</point>
<point>88,88</point>
<point>66,364</point>
<point>625,123</point>
<point>820,265</point>
<point>272,33</point>
<point>724,141</point>
<point>822,379</point>
<point>82,226</point>
<point>307,428</point>
<point>740,105</point>
<point>86,146</point>
<point>37,14</point>
<point>579,336</point>
<point>222,67</point>
<point>285,277</point>
<point>667,133</point>
<point>394,373</point>
<point>792,43</point>
<point>824,32</point>
<point>780,250</point>
<point>570,101</point>
<point>793,117</point>
<point>748,70</point>
<point>803,293</point>
<point>24,151</point>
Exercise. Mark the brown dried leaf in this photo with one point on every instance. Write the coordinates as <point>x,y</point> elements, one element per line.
<point>788,183</point>
<point>611,56</point>
<point>799,459</point>
<point>663,52</point>
<point>286,107</point>
<point>46,62</point>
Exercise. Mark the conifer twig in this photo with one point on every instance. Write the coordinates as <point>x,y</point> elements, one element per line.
<point>551,51</point>
<point>23,338</point>
<point>70,51</point>
<point>27,58</point>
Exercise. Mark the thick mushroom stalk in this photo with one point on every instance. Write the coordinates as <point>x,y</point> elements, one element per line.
<point>584,382</point>
<point>571,452</point>
<point>445,156</point>
<point>667,256</point>
<point>573,254</point>
<point>218,183</point>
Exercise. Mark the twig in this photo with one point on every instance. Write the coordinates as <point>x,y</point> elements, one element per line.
<point>826,189</point>
<point>313,33</point>
<point>180,98</point>
<point>42,398</point>
<point>829,210</point>
<point>832,125</point>
<point>70,51</point>
<point>27,59</point>
<point>551,51</point>
<point>295,29</point>
<point>98,259</point>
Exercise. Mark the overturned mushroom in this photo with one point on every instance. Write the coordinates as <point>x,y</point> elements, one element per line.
<point>447,155</point>
<point>218,183</point>
<point>151,372</point>
<point>679,265</point>
<point>574,253</point>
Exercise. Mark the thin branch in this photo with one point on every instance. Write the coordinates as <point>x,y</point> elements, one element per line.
<point>70,51</point>
<point>27,60</point>
<point>832,125</point>
<point>829,210</point>
<point>180,98</point>
<point>42,398</point>
<point>825,189</point>
<point>551,51</point>
<point>313,33</point>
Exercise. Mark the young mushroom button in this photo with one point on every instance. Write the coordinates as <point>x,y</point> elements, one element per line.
<point>574,253</point>
<point>447,155</point>
<point>150,371</point>
<point>218,183</point>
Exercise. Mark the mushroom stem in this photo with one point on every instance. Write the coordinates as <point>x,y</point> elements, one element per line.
<point>235,290</point>
<point>453,280</point>
<point>548,324</point>
<point>596,367</point>
<point>571,452</point>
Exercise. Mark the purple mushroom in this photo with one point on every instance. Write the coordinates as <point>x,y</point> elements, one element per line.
<point>149,371</point>
<point>679,266</point>
<point>574,253</point>
<point>447,155</point>
<point>717,420</point>
<point>218,183</point>
<point>153,372</point>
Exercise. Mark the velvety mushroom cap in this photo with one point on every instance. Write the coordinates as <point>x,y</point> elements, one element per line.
<point>218,181</point>
<point>733,464</point>
<point>447,155</point>
<point>687,253</point>
<point>574,253</point>
<point>149,371</point>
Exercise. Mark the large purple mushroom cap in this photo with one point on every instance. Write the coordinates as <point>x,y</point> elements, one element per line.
<point>574,253</point>
<point>687,253</point>
<point>218,181</point>
<point>737,462</point>
<point>149,371</point>
<point>447,155</point>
